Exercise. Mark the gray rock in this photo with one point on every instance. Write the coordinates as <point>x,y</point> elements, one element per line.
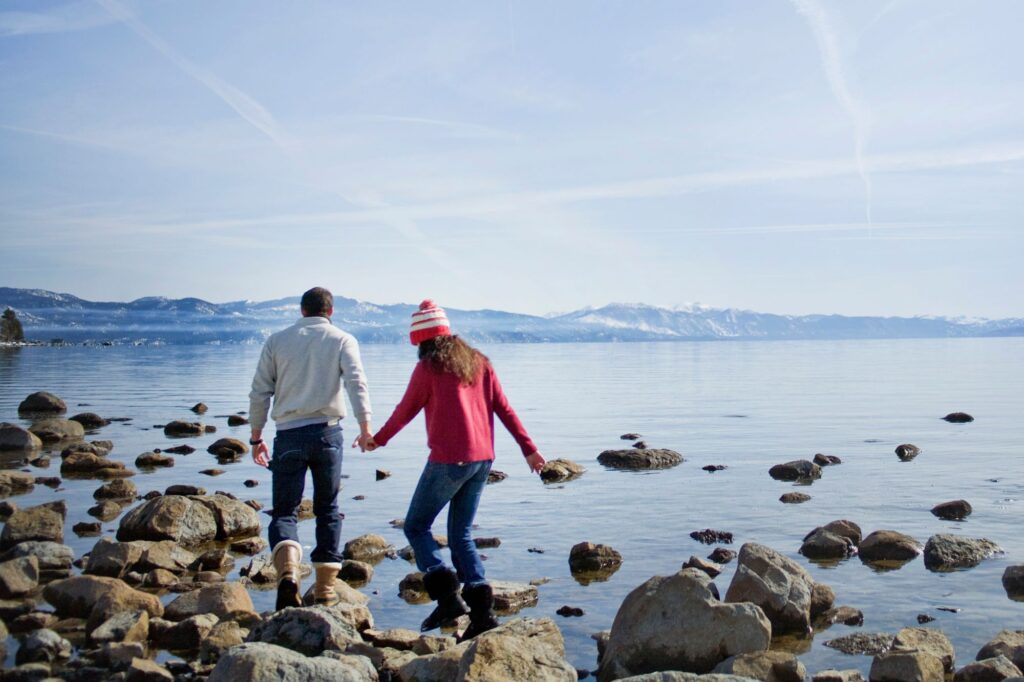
<point>678,676</point>
<point>54,558</point>
<point>846,529</point>
<point>235,519</point>
<point>888,546</point>
<point>557,470</point>
<point>105,510</point>
<point>711,568</point>
<point>640,458</point>
<point>222,637</point>
<point>125,626</point>
<point>55,430</point>
<point>906,666</point>
<point>779,585</point>
<point>1009,643</point>
<point>43,646</point>
<point>847,615</point>
<point>988,670</point>
<point>946,552</point>
<point>768,666</point>
<point>797,470</point>
<point>42,402</point>
<point>676,623</point>
<point>14,437</point>
<point>19,577</point>
<point>261,662</point>
<point>309,630</point>
<point>114,559</point>
<point>169,517</point>
<point>861,643</point>
<point>926,640</point>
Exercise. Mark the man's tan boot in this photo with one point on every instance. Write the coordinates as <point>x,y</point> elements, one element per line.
<point>286,557</point>
<point>326,579</point>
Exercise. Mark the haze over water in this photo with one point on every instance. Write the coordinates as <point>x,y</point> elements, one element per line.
<point>745,405</point>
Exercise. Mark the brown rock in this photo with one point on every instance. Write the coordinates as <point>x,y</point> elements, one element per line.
<point>33,523</point>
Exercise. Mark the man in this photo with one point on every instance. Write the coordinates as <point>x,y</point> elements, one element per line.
<point>303,367</point>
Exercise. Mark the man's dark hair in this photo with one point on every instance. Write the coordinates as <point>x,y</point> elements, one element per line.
<point>316,301</point>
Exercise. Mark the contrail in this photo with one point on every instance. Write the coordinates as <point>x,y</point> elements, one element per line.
<point>828,46</point>
<point>246,107</point>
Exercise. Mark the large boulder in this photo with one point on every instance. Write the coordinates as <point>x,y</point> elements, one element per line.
<point>947,552</point>
<point>309,630</point>
<point>557,470</point>
<point>767,666</point>
<point>1009,643</point>
<point>888,546</point>
<point>797,470</point>
<point>235,519</point>
<point>14,437</point>
<point>522,649</point>
<point>224,600</point>
<point>42,522</point>
<point>929,641</point>
<point>261,662</point>
<point>677,623</point>
<point>993,669</point>
<point>906,666</point>
<point>55,430</point>
<point>170,517</point>
<point>42,402</point>
<point>640,458</point>
<point>780,586</point>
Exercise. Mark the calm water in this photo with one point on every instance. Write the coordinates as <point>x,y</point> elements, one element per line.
<point>745,405</point>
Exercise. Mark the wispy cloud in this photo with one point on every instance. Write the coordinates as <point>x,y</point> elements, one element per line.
<point>826,37</point>
<point>74,16</point>
<point>248,108</point>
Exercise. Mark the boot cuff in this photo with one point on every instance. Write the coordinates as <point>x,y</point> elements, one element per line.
<point>441,583</point>
<point>282,545</point>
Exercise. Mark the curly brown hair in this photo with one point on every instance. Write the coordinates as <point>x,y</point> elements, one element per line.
<point>452,354</point>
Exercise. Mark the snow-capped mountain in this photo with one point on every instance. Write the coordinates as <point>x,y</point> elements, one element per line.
<point>47,315</point>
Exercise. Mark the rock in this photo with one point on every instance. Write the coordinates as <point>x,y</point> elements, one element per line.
<point>906,666</point>
<point>630,436</point>
<point>381,474</point>
<point>846,529</point>
<point>570,611</point>
<point>42,402</point>
<point>180,450</point>
<point>560,470</point>
<point>16,483</point>
<point>309,630</point>
<point>888,546</point>
<point>90,420</point>
<point>54,559</point>
<point>114,559</point>
<point>305,510</point>
<point>234,518</point>
<point>495,476</point>
<point>907,452</point>
<point>370,548</point>
<point>224,600</point>
<point>768,666</point>
<point>106,510</point>
<point>847,615</point>
<point>126,626</point>
<point>19,577</point>
<point>250,546</point>
<point>928,641</point>
<point>411,589</point>
<point>640,445</point>
<point>510,597</point>
<point>183,429</point>
<point>170,517</point>
<point>145,670</point>
<point>261,662</point>
<point>49,481</point>
<point>589,558</point>
<point>43,646</point>
<point>237,420</point>
<point>826,460</point>
<point>88,464</point>
<point>712,468</point>
<point>954,510</point>
<point>988,670</point>
<point>823,545</point>
<point>228,448</point>
<point>797,470</point>
<point>637,458</point>
<point>522,649</point>
<point>159,578</point>
<point>923,618</point>
<point>36,620</point>
<point>79,596</point>
<point>33,523</point>
<point>822,599</point>
<point>862,643</point>
<point>356,572</point>
<point>185,635</point>
<point>14,437</point>
<point>958,418</point>
<point>946,552</point>
<point>712,569</point>
<point>794,498</point>
<point>7,508</point>
<point>119,489</point>
<point>212,472</point>
<point>1008,643</point>
<point>721,555</point>
<point>222,637</point>
<point>183,489</point>
<point>151,460</point>
<point>199,408</point>
<point>213,560</point>
<point>677,623</point>
<point>838,676</point>
<point>779,585</point>
<point>55,430</point>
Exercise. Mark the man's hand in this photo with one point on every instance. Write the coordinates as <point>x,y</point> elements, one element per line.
<point>365,435</point>
<point>535,462</point>
<point>261,454</point>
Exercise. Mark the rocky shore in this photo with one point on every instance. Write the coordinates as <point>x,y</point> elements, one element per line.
<point>154,602</point>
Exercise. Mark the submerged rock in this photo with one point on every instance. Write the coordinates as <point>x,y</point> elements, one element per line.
<point>709,536</point>
<point>151,460</point>
<point>16,483</point>
<point>640,458</point>
<point>42,402</point>
<point>861,643</point>
<point>947,552</point>
<point>958,418</point>
<point>797,470</point>
<point>588,556</point>
<point>556,470</point>
<point>55,430</point>
<point>954,510</point>
<point>794,498</point>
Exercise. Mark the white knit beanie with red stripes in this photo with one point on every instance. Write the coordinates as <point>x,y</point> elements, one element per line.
<point>427,322</point>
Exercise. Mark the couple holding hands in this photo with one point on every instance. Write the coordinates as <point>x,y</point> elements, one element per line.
<point>303,369</point>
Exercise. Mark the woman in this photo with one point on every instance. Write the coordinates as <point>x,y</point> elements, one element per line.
<point>459,390</point>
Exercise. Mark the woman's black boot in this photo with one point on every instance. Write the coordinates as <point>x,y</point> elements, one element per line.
<point>443,587</point>
<point>480,599</point>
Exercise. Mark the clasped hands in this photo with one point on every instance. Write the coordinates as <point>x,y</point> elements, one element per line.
<point>365,443</point>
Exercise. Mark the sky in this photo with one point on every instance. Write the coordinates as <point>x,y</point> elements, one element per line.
<point>784,156</point>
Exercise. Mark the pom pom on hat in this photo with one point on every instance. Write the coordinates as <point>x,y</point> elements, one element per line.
<point>428,322</point>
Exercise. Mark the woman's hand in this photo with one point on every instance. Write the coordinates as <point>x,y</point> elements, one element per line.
<point>535,462</point>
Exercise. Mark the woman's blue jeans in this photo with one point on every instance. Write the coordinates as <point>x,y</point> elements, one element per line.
<point>317,448</point>
<point>460,487</point>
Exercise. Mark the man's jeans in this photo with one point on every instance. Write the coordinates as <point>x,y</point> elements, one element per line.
<point>461,485</point>
<point>317,447</point>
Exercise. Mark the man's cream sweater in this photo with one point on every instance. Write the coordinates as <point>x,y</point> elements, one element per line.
<point>303,368</point>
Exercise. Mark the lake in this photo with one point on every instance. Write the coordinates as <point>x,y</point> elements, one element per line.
<point>745,405</point>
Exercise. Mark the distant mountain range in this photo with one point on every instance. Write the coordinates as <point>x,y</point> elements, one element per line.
<point>46,316</point>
